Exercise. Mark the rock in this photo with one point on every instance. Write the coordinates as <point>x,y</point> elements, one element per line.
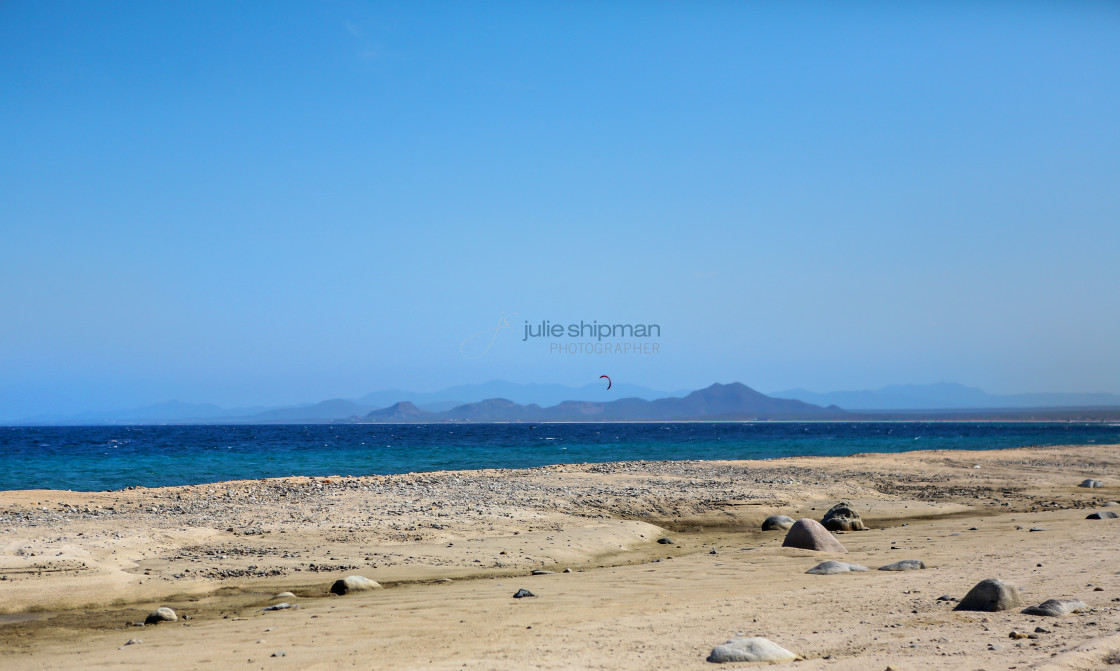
<point>522,593</point>
<point>1036,529</point>
<point>158,615</point>
<point>834,567</point>
<point>1108,504</point>
<point>1102,515</point>
<point>904,565</point>
<point>1056,607</point>
<point>1089,482</point>
<point>133,641</point>
<point>279,606</point>
<point>567,570</point>
<point>841,517</point>
<point>1018,634</point>
<point>995,646</point>
<point>353,583</point>
<point>542,572</point>
<point>665,541</point>
<point>989,595</point>
<point>284,595</point>
<point>945,597</point>
<point>777,523</point>
<point>810,534</point>
<point>752,649</point>
<point>279,653</point>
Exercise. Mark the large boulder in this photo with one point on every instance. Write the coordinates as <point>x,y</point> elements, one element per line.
<point>834,567</point>
<point>1102,515</point>
<point>810,534</point>
<point>158,615</point>
<point>841,517</point>
<point>754,649</point>
<point>353,583</point>
<point>991,595</point>
<point>777,523</point>
<point>904,565</point>
<point>1089,482</point>
<point>1056,607</point>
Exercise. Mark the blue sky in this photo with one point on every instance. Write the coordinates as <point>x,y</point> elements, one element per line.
<point>261,203</point>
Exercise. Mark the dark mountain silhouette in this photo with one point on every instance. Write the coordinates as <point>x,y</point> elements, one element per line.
<point>719,401</point>
<point>324,410</point>
<point>400,412</point>
<point>542,394</point>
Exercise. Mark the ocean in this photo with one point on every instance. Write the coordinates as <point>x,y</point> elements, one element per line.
<point>95,458</point>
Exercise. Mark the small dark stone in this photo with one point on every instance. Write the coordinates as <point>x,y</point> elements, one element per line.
<point>522,593</point>
<point>665,541</point>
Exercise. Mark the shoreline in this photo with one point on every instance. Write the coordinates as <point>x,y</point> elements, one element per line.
<point>75,566</point>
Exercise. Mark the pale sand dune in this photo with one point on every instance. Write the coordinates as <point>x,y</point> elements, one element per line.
<point>621,611</point>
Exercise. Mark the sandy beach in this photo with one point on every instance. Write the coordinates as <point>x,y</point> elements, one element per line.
<point>78,570</point>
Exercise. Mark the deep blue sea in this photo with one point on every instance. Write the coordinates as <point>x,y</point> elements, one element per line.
<point>100,458</point>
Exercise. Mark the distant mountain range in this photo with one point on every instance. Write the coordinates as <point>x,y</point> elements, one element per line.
<point>505,401</point>
<point>945,396</point>
<point>176,412</point>
<point>717,402</point>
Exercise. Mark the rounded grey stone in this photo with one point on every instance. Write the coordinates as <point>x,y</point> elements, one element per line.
<point>754,649</point>
<point>991,595</point>
<point>1056,607</point>
<point>353,583</point>
<point>834,567</point>
<point>280,606</point>
<point>904,565</point>
<point>158,615</point>
<point>1090,482</point>
<point>808,534</point>
<point>1102,515</point>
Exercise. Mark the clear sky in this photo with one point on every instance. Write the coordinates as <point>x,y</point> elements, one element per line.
<point>262,203</point>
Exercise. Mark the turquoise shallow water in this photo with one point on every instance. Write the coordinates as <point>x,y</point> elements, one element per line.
<point>99,458</point>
